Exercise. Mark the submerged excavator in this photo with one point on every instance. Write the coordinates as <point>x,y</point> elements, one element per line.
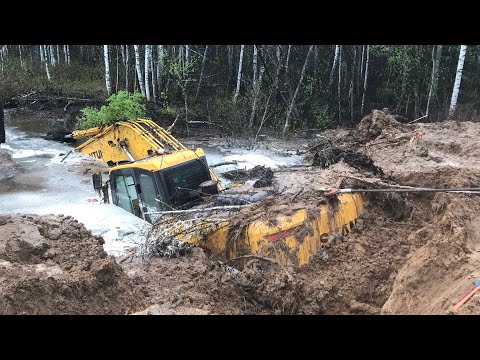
<point>151,172</point>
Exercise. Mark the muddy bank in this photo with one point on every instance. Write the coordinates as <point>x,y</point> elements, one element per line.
<point>53,265</point>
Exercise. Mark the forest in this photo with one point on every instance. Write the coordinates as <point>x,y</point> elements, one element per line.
<point>244,88</point>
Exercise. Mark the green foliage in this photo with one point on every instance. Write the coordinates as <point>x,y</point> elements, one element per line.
<point>121,106</point>
<point>323,117</point>
<point>169,110</point>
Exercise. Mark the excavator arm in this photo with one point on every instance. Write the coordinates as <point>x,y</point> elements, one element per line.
<point>127,141</point>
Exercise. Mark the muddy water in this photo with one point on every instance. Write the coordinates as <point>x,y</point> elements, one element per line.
<point>46,185</point>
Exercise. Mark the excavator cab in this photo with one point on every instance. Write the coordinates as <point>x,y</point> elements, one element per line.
<point>143,192</point>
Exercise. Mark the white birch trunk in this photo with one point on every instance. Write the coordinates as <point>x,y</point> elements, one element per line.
<point>335,60</point>
<point>52,55</point>
<point>147,72</point>
<point>68,54</point>
<point>152,69</point>
<point>292,104</point>
<point>239,74</point>
<point>258,84</point>
<point>45,56</point>
<point>363,59</point>
<point>255,54</point>
<point>65,54</point>
<point>58,54</point>
<point>435,68</point>
<point>126,67</point>
<point>187,55</point>
<point>365,79</point>
<point>107,70</point>
<point>20,52</point>
<point>204,61</point>
<point>458,80</point>
<point>42,57</point>
<point>288,58</point>
<point>139,69</point>
<point>339,85</point>
<point>159,68</point>
<point>116,72</point>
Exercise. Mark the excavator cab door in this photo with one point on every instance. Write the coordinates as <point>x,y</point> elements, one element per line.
<point>136,191</point>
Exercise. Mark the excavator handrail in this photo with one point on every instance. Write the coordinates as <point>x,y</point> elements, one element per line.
<point>149,131</point>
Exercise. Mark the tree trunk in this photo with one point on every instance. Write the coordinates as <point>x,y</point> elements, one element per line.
<point>458,80</point>
<point>65,54</point>
<point>58,54</point>
<point>20,53</point>
<point>42,57</point>
<point>187,55</point>
<point>159,69</point>
<point>68,54</point>
<point>116,72</point>
<point>152,69</point>
<point>147,72</point>
<point>435,69</point>
<point>107,69</point>
<point>365,79</point>
<point>45,56</point>
<point>286,64</point>
<point>52,55</point>
<point>139,69</point>
<point>339,86</point>
<point>292,104</point>
<point>254,61</point>
<point>239,74</point>
<point>204,60</point>
<point>256,90</point>
<point>335,60</point>
<point>126,67</point>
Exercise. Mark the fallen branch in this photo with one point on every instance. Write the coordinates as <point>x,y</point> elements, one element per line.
<point>420,118</point>
<point>66,155</point>
<point>66,106</point>
<point>173,124</point>
<point>378,182</point>
<point>227,207</point>
<point>225,163</point>
<point>208,123</point>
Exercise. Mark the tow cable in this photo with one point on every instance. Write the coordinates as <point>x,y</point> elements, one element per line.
<point>335,191</point>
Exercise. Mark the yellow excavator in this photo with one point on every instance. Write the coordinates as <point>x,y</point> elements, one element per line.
<point>151,172</point>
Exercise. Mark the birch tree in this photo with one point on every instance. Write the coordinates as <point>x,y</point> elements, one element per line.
<point>458,80</point>
<point>256,93</point>
<point>239,74</point>
<point>335,60</point>
<point>65,56</point>
<point>139,69</point>
<point>204,61</point>
<point>292,103</point>
<point>52,55</point>
<point>339,84</point>
<point>435,69</point>
<point>254,61</point>
<point>107,69</point>
<point>58,54</point>
<point>152,69</point>
<point>365,79</point>
<point>160,57</point>
<point>147,72</point>
<point>126,67</point>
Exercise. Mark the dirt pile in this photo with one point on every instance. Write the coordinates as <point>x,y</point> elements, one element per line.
<point>53,265</point>
<point>373,124</point>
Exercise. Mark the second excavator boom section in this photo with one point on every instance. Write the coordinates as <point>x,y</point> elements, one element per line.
<point>140,137</point>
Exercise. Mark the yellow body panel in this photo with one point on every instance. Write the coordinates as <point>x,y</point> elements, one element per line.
<point>303,234</point>
<point>162,162</point>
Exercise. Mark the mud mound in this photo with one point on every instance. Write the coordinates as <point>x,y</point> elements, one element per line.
<point>325,155</point>
<point>374,123</point>
<point>260,172</point>
<point>53,265</point>
<point>445,263</point>
<point>192,284</point>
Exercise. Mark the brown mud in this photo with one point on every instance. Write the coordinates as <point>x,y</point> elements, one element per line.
<point>409,253</point>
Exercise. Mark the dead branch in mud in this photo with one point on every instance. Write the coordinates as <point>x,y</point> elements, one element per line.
<point>420,118</point>
<point>225,163</point>
<point>209,123</point>
<point>376,182</point>
<point>66,106</point>
<point>173,124</point>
